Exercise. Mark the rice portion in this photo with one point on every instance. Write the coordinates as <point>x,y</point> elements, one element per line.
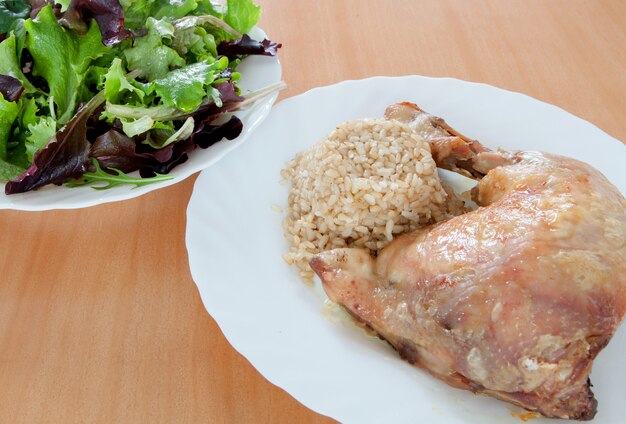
<point>368,181</point>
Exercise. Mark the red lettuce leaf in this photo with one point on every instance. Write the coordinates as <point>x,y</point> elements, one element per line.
<point>228,94</point>
<point>247,46</point>
<point>206,134</point>
<point>108,13</point>
<point>114,149</point>
<point>10,88</point>
<point>180,154</point>
<point>66,156</point>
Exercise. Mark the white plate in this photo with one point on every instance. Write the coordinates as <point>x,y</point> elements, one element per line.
<point>235,243</point>
<point>256,72</point>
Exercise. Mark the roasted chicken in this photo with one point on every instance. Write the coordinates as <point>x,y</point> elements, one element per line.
<point>514,299</point>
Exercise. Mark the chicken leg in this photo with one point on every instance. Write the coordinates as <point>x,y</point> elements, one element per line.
<point>514,299</point>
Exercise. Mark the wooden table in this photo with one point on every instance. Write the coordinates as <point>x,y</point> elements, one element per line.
<point>100,321</point>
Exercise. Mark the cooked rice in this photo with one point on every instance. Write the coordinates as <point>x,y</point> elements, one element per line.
<point>368,181</point>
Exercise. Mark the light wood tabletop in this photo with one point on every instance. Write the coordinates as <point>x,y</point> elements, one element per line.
<point>100,320</point>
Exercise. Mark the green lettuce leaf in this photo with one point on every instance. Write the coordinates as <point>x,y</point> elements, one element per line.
<point>62,58</point>
<point>196,42</point>
<point>136,12</point>
<point>29,112</point>
<point>139,126</point>
<point>242,15</point>
<point>9,111</point>
<point>185,88</point>
<point>95,77</point>
<point>150,54</point>
<point>116,84</point>
<point>40,134</point>
<point>173,9</point>
<point>9,171</point>
<point>10,64</point>
<point>206,7</point>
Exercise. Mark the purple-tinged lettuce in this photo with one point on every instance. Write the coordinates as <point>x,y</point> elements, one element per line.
<point>107,13</point>
<point>247,46</point>
<point>10,88</point>
<point>63,158</point>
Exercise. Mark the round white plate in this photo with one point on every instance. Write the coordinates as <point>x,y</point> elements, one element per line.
<point>235,242</point>
<point>256,72</point>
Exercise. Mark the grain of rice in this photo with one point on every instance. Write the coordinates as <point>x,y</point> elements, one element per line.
<point>367,182</point>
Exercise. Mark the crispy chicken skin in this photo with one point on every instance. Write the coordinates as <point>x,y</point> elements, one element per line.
<point>514,299</point>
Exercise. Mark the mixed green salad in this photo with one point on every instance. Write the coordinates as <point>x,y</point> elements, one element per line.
<point>91,90</point>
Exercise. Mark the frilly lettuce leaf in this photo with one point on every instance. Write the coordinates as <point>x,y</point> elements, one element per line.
<point>150,53</point>
<point>180,91</point>
<point>136,12</point>
<point>40,134</point>
<point>185,88</point>
<point>116,84</point>
<point>241,15</point>
<point>195,41</point>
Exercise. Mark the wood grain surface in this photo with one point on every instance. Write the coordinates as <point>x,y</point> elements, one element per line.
<point>100,321</point>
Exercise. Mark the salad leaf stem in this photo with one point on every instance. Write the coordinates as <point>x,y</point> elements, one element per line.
<point>53,113</point>
<point>253,96</point>
<point>157,113</point>
<point>100,176</point>
<point>165,113</point>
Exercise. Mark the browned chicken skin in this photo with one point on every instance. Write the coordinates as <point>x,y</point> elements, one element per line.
<point>514,299</point>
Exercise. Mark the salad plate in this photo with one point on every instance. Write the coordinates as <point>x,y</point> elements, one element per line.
<point>286,328</point>
<point>257,72</point>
